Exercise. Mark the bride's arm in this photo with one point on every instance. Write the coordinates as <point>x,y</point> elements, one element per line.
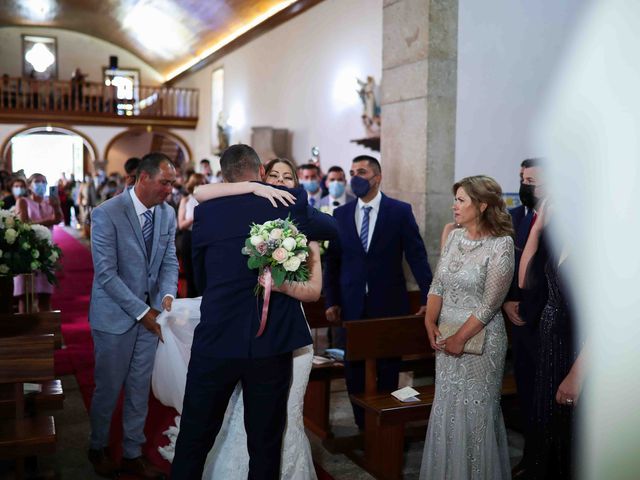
<point>203,193</point>
<point>310,290</point>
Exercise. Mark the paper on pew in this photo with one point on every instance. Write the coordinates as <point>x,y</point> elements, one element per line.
<point>406,394</point>
<point>32,388</point>
<point>318,360</point>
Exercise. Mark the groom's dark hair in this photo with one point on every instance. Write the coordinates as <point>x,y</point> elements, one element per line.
<point>240,162</point>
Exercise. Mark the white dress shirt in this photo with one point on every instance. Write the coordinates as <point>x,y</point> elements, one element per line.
<point>373,215</point>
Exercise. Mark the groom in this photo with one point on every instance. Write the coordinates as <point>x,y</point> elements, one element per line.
<point>225,349</point>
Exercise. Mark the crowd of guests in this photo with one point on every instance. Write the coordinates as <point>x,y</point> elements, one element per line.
<point>495,264</point>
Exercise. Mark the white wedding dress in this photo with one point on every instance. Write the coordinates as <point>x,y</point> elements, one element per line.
<point>228,458</point>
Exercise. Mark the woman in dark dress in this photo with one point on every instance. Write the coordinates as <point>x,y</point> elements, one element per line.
<point>559,369</point>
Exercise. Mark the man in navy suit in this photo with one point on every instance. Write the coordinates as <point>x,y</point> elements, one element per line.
<point>225,349</point>
<point>363,275</point>
<point>523,307</point>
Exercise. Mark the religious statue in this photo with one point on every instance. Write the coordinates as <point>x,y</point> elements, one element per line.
<point>371,109</point>
<point>224,132</point>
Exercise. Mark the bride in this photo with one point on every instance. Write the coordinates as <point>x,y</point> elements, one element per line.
<point>229,458</point>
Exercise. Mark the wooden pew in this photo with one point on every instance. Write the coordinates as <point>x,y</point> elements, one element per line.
<point>51,396</point>
<point>26,359</point>
<point>385,417</point>
<point>317,399</point>
<point>37,323</point>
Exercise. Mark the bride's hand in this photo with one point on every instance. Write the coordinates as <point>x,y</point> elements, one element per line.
<point>263,283</point>
<point>273,194</point>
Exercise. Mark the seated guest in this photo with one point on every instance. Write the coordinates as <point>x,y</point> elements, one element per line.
<point>559,365</point>
<point>364,276</point>
<point>466,436</point>
<point>37,209</point>
<point>336,183</point>
<point>309,177</point>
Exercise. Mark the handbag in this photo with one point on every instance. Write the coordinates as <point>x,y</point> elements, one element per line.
<point>475,345</point>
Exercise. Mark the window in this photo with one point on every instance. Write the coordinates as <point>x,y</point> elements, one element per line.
<point>220,130</point>
<point>125,84</point>
<point>39,57</point>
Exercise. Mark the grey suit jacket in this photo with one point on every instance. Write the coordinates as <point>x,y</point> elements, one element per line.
<point>123,275</point>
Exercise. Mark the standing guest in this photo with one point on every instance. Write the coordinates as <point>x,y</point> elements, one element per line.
<point>87,200</point>
<point>136,276</point>
<point>466,437</point>
<point>37,209</point>
<point>309,177</point>
<point>523,308</point>
<point>185,224</point>
<point>18,188</point>
<point>364,276</point>
<point>559,366</point>
<point>130,168</point>
<point>336,184</point>
<point>205,169</point>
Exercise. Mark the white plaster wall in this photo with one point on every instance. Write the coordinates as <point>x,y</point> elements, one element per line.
<point>508,51</point>
<point>75,50</point>
<point>300,76</point>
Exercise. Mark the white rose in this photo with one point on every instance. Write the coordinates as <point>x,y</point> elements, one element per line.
<point>35,253</point>
<point>10,236</point>
<point>256,240</point>
<point>292,264</point>
<point>42,232</point>
<point>302,256</point>
<point>275,234</point>
<point>9,222</point>
<point>289,243</point>
<point>53,257</point>
<point>4,269</point>
<point>35,265</point>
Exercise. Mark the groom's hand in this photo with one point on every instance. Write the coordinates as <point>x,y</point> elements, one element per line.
<point>149,322</point>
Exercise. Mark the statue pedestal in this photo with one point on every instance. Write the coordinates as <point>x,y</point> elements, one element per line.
<point>269,143</point>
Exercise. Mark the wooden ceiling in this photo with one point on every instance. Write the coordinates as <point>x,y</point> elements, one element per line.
<point>167,34</point>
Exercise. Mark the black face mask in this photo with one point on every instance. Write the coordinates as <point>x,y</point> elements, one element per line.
<point>527,195</point>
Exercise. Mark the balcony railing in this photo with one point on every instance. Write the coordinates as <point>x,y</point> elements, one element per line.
<point>96,103</point>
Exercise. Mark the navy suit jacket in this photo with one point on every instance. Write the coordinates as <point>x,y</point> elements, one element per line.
<point>521,226</point>
<point>349,268</point>
<point>230,312</point>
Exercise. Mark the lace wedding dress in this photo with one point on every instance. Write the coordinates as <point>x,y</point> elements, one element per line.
<point>229,458</point>
<point>466,437</point>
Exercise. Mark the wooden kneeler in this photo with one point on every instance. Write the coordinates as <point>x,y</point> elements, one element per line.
<point>26,359</point>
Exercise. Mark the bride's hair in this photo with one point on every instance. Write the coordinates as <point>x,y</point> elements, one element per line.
<point>495,220</point>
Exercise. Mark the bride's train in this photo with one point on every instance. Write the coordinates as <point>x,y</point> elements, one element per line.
<point>228,458</point>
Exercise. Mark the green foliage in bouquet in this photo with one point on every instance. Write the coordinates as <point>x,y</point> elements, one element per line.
<point>26,248</point>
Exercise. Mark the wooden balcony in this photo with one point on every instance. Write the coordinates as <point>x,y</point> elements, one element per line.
<point>90,103</point>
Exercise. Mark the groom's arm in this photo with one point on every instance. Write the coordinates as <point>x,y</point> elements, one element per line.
<point>198,249</point>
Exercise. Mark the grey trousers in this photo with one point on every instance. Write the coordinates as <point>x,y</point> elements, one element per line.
<point>124,360</point>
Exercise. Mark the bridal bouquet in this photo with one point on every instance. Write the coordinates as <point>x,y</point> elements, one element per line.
<point>279,251</point>
<point>26,248</point>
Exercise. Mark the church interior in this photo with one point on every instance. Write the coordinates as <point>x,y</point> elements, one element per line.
<point>433,90</point>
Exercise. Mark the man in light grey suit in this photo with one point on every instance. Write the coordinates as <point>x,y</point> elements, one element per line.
<point>136,276</point>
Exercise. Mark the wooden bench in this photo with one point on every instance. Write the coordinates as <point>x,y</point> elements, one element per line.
<point>50,397</point>
<point>37,323</point>
<point>317,399</point>
<point>385,417</point>
<point>26,359</point>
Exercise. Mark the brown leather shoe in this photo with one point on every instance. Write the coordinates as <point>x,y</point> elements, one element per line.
<point>141,467</point>
<point>102,463</point>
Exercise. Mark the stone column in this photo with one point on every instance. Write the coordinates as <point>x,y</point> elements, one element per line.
<point>419,59</point>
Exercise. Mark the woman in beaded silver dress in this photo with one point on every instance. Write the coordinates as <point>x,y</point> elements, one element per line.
<point>466,437</point>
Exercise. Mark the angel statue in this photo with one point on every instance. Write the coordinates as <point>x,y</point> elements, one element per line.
<point>223,132</point>
<point>371,109</point>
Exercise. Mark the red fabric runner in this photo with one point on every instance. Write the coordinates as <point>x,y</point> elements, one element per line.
<point>71,297</point>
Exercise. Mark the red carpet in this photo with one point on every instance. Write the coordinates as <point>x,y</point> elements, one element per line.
<point>72,299</point>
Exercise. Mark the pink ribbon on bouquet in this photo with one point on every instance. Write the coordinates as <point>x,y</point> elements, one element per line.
<point>267,297</point>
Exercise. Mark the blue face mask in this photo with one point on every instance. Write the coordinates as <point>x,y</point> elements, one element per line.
<point>310,186</point>
<point>40,189</point>
<point>336,188</point>
<point>18,191</point>
<point>360,186</point>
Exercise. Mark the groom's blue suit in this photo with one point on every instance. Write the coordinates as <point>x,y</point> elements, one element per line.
<point>225,349</point>
<point>127,281</point>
